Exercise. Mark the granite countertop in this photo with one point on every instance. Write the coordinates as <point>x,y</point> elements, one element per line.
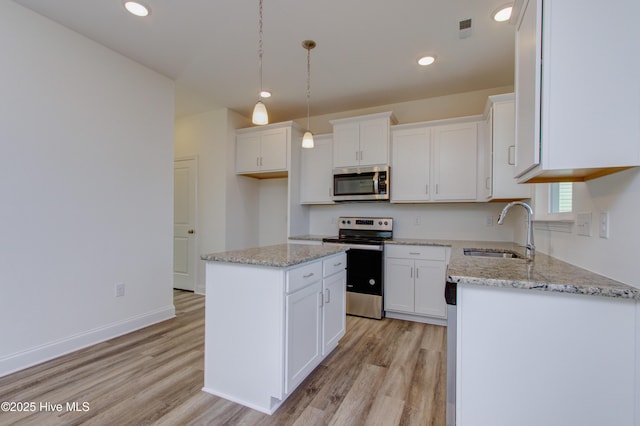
<point>544,273</point>
<point>279,256</point>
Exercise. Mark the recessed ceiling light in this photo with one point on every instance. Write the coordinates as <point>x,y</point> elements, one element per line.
<point>136,8</point>
<point>265,94</point>
<point>426,60</point>
<point>503,13</point>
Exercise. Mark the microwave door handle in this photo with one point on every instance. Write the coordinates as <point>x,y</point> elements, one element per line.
<point>376,182</point>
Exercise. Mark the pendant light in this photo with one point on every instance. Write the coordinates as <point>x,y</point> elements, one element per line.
<point>260,115</point>
<point>307,139</point>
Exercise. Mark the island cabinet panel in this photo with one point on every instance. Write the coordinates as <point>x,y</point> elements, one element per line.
<point>530,357</point>
<point>268,327</point>
<point>303,334</point>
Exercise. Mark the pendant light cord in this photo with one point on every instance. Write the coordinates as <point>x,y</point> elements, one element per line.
<point>308,85</point>
<point>260,46</point>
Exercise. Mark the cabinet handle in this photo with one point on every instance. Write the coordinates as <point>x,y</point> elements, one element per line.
<point>436,188</point>
<point>411,273</point>
<point>426,189</point>
<point>360,155</point>
<point>357,156</point>
<point>327,296</point>
<point>487,183</point>
<point>511,154</point>
<point>320,299</point>
<point>258,161</point>
<point>335,265</point>
<point>417,273</point>
<point>414,253</point>
<point>310,274</point>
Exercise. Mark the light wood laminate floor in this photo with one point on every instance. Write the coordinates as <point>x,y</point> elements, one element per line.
<point>387,372</point>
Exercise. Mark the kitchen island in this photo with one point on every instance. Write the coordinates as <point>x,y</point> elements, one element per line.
<point>272,315</point>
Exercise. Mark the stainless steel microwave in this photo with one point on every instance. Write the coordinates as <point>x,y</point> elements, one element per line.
<point>361,183</point>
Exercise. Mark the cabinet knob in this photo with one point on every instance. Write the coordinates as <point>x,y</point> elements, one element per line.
<point>191,231</point>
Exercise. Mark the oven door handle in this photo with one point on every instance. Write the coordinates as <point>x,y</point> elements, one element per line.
<point>357,246</point>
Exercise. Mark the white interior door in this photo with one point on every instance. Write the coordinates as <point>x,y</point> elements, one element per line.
<point>184,220</point>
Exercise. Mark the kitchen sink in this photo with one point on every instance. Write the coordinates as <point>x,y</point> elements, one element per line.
<point>506,254</point>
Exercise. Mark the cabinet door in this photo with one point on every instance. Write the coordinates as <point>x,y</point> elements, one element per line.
<point>374,142</point>
<point>399,287</point>
<point>247,152</point>
<point>485,158</point>
<point>346,145</point>
<point>273,150</point>
<point>334,311</point>
<point>430,277</point>
<point>410,165</point>
<point>504,184</point>
<point>316,172</point>
<point>455,161</point>
<point>527,86</point>
<point>303,339</point>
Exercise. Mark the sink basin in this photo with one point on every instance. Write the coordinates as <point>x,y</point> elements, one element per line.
<point>506,254</point>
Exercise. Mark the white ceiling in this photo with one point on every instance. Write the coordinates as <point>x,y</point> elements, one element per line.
<point>365,56</point>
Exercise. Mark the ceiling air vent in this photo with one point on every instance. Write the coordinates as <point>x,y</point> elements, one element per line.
<point>465,28</point>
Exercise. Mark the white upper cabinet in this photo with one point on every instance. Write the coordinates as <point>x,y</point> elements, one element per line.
<point>361,141</point>
<point>578,111</point>
<point>497,152</point>
<point>316,176</point>
<point>455,152</point>
<point>410,164</point>
<point>264,151</point>
<point>434,162</point>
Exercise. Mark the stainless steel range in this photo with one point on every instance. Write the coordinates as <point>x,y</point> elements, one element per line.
<point>365,238</point>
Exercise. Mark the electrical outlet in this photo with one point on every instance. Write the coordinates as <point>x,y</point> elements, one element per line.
<point>119,289</point>
<point>583,222</point>
<point>489,220</point>
<point>418,220</point>
<point>604,225</point>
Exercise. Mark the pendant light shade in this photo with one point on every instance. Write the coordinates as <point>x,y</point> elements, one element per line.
<point>260,115</point>
<point>307,138</point>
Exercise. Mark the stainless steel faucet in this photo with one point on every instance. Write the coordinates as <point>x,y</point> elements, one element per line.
<point>530,248</point>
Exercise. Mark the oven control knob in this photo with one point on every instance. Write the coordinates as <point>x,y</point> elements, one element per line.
<point>348,222</point>
<point>372,281</point>
<point>343,222</point>
<point>386,223</point>
<point>379,222</point>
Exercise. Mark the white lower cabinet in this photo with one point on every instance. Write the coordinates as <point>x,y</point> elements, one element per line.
<point>304,318</point>
<point>315,315</point>
<point>414,282</point>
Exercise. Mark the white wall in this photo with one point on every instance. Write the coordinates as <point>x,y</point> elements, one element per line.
<point>617,256</point>
<point>228,205</point>
<point>86,184</point>
<point>461,221</point>
<point>273,211</point>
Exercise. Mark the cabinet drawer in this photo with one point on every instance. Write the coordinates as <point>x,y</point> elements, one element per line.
<point>334,264</point>
<point>303,276</point>
<point>415,252</point>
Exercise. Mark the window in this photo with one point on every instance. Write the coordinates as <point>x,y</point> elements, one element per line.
<point>561,197</point>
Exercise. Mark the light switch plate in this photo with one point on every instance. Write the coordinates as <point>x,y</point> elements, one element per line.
<point>583,222</point>
<point>604,225</point>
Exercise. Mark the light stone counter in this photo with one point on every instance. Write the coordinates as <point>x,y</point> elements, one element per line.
<point>278,256</point>
<point>544,273</point>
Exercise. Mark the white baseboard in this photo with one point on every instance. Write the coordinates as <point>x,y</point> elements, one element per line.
<point>416,318</point>
<point>36,355</point>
